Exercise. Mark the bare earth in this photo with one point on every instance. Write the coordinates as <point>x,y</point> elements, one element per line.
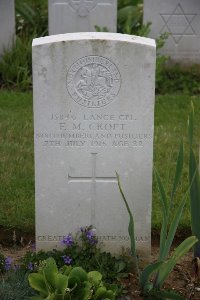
<point>181,279</point>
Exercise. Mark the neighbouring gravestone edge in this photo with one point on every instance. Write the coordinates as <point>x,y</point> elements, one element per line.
<point>118,37</point>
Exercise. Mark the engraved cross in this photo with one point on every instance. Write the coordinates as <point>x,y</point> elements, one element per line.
<point>93,179</point>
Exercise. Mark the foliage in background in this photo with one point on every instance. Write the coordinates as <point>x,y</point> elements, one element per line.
<point>161,269</point>
<point>176,79</point>
<point>194,180</point>
<point>69,283</point>
<point>15,67</point>
<point>130,18</point>
<point>31,18</point>
<point>16,64</point>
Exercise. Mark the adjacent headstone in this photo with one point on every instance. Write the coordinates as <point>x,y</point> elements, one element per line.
<point>7,24</point>
<point>181,19</point>
<point>93,115</point>
<point>82,15</point>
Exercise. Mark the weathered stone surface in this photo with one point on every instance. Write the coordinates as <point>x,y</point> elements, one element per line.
<point>93,115</point>
<point>79,16</point>
<point>181,19</point>
<point>7,24</point>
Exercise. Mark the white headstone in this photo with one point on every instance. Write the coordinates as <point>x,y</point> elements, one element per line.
<point>93,115</point>
<point>7,24</point>
<point>181,19</point>
<point>82,15</point>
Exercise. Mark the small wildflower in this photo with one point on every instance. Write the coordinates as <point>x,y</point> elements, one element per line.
<point>91,236</point>
<point>33,246</point>
<point>30,266</point>
<point>8,262</point>
<point>67,259</point>
<point>68,240</point>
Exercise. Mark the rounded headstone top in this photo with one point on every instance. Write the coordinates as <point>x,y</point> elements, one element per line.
<point>94,36</point>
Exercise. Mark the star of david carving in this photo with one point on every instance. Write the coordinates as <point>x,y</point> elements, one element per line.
<point>178,24</point>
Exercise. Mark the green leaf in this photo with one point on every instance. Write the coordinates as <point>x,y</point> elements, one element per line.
<point>26,12</point>
<point>167,267</point>
<point>79,273</point>
<point>85,293</point>
<point>100,292</point>
<point>50,271</point>
<point>165,213</point>
<point>173,226</point>
<point>194,179</point>
<point>37,282</point>
<point>95,278</point>
<point>61,283</point>
<point>131,229</point>
<point>147,272</point>
<point>179,168</point>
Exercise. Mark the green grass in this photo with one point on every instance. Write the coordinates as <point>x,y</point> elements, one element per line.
<point>171,115</point>
<point>16,159</point>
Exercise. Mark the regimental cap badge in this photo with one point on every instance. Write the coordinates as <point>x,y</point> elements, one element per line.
<point>93,81</point>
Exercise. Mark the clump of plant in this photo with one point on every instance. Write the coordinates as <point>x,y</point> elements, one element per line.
<point>16,286</point>
<point>82,250</point>
<point>15,66</point>
<point>68,283</point>
<point>178,79</point>
<point>5,263</point>
<point>16,63</point>
<point>130,18</point>
<point>151,279</point>
<point>31,18</point>
<point>194,180</point>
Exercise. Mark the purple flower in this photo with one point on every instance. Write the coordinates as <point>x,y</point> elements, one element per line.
<point>8,262</point>
<point>30,266</point>
<point>67,259</point>
<point>91,236</point>
<point>68,240</point>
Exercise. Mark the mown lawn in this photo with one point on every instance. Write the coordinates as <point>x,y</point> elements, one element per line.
<point>17,159</point>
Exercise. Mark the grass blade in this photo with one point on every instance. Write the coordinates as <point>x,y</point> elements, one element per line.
<point>131,229</point>
<point>191,125</point>
<point>179,169</point>
<point>167,267</point>
<point>147,272</point>
<point>165,212</point>
<point>173,226</point>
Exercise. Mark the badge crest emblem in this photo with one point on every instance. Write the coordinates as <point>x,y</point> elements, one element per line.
<point>93,81</point>
<point>83,7</point>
